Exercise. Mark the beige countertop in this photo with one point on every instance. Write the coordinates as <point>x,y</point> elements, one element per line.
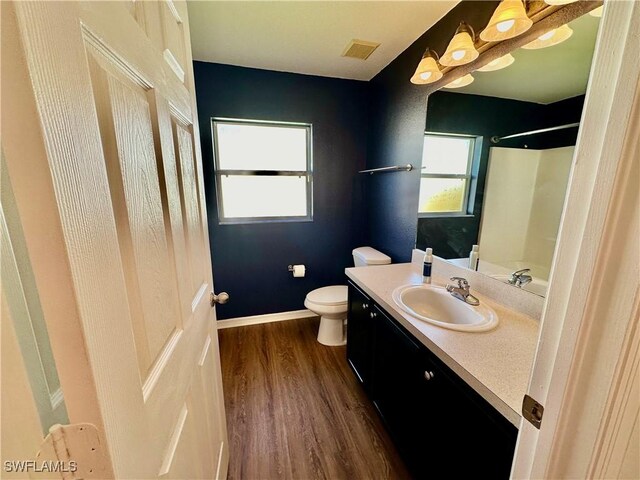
<point>496,364</point>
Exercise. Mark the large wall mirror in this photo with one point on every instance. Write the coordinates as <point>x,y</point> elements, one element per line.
<point>497,158</point>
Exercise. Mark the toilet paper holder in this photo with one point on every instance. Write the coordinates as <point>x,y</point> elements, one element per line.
<point>298,271</point>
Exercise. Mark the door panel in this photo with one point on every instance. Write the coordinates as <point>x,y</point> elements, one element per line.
<point>198,405</point>
<point>172,201</point>
<point>173,36</point>
<point>191,203</point>
<point>126,192</point>
<point>128,143</point>
<point>181,460</point>
<point>212,391</point>
<point>147,14</point>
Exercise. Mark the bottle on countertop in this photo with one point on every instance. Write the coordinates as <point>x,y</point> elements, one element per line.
<point>426,267</point>
<point>474,258</point>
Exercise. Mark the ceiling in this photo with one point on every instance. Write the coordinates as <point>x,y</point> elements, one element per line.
<point>308,36</point>
<point>546,75</point>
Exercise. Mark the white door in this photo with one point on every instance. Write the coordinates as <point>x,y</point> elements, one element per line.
<point>101,142</point>
<point>586,371</point>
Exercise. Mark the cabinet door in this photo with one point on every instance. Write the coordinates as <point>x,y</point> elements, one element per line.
<point>469,421</point>
<point>399,387</point>
<point>360,335</point>
<point>432,414</point>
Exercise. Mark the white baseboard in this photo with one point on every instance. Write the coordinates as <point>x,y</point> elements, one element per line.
<point>268,318</point>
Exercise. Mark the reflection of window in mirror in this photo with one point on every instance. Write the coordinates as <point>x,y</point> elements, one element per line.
<point>446,174</point>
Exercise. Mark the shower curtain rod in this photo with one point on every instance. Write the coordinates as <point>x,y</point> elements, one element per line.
<point>497,139</point>
<point>396,168</point>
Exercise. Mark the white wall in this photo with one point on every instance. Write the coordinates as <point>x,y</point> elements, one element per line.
<point>524,197</point>
<point>507,202</point>
<point>20,293</point>
<point>546,208</point>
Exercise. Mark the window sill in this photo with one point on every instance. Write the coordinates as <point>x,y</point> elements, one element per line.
<point>445,215</point>
<point>252,221</point>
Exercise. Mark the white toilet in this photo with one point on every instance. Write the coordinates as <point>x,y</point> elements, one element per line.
<point>331,302</point>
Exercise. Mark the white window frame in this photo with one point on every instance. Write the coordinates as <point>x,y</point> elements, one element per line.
<point>464,211</point>
<point>308,173</point>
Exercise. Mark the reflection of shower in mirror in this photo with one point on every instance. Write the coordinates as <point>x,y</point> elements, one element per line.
<point>525,191</point>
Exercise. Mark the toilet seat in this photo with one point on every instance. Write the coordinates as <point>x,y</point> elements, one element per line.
<point>333,296</point>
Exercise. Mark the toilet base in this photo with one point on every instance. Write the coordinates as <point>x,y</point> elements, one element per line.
<point>332,331</point>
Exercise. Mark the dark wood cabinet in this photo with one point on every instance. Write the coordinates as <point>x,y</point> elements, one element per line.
<point>441,426</point>
<point>397,384</point>
<point>360,335</point>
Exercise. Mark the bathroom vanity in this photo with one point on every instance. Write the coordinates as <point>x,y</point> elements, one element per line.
<point>449,399</point>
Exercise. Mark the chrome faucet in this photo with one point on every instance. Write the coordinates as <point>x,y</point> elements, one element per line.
<point>519,278</point>
<point>461,291</point>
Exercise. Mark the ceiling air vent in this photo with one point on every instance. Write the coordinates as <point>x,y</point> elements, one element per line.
<point>360,49</point>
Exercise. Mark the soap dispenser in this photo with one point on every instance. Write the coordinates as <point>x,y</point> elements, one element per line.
<point>474,258</point>
<point>426,267</point>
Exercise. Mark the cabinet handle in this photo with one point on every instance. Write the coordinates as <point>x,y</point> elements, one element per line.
<point>428,375</point>
<point>365,306</point>
<point>373,315</point>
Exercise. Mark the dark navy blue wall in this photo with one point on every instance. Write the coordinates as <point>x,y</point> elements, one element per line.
<point>250,261</point>
<point>397,124</point>
<point>485,117</point>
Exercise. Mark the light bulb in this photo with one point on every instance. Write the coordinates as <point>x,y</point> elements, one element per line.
<point>458,54</point>
<point>505,26</point>
<point>597,12</point>
<point>547,35</point>
<point>548,39</point>
<point>425,75</point>
<point>460,82</point>
<point>498,63</point>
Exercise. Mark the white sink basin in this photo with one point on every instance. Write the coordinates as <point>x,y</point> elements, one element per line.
<point>435,305</point>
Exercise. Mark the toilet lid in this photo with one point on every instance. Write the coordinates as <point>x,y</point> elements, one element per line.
<point>334,295</point>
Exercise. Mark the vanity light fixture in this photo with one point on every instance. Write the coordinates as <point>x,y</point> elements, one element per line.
<point>550,38</point>
<point>428,70</point>
<point>461,49</point>
<point>509,20</point>
<point>597,12</point>
<point>460,82</point>
<point>498,64</point>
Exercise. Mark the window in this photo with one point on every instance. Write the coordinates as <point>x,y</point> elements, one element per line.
<point>263,171</point>
<point>446,175</point>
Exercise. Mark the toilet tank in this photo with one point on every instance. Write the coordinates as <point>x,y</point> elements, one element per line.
<point>365,256</point>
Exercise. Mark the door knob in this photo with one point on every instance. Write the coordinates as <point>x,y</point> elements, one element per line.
<point>221,298</point>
